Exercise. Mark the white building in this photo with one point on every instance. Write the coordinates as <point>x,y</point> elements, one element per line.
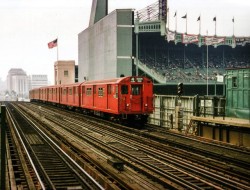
<point>17,83</point>
<point>37,81</point>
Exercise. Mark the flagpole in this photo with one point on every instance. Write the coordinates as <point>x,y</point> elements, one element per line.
<point>215,27</point>
<point>57,49</point>
<point>176,22</point>
<point>233,26</point>
<point>185,17</point>
<point>215,24</point>
<point>168,17</point>
<point>199,19</point>
<point>200,26</point>
<point>186,23</point>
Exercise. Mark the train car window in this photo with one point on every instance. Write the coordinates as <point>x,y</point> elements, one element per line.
<point>70,91</point>
<point>116,92</point>
<point>64,91</point>
<point>88,92</point>
<point>83,89</point>
<point>100,91</point>
<point>136,90</point>
<point>124,89</point>
<point>76,91</point>
<point>109,89</point>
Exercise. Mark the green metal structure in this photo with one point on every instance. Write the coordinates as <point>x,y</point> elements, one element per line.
<point>238,93</point>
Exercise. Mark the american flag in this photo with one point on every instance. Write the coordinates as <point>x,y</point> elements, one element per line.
<point>52,44</point>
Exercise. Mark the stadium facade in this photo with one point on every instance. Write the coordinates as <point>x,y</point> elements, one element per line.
<point>110,46</point>
<point>120,43</point>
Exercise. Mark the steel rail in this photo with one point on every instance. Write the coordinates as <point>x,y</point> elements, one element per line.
<point>236,183</point>
<point>26,151</point>
<point>65,154</point>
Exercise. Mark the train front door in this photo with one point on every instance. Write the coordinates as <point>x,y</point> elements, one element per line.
<point>136,97</point>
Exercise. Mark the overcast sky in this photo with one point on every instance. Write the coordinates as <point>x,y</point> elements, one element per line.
<point>26,27</point>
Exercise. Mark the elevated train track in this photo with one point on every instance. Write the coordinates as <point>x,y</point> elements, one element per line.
<point>144,158</point>
<point>51,166</point>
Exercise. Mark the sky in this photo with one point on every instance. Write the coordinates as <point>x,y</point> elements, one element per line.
<point>26,27</point>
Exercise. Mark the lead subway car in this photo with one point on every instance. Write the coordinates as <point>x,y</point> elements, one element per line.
<point>122,99</point>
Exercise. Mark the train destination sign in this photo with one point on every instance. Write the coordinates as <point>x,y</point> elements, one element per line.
<point>138,79</point>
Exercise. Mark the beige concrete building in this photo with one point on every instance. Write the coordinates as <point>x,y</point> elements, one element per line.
<point>64,72</point>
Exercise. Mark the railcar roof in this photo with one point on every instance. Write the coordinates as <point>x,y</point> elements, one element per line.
<point>110,81</point>
<point>70,85</point>
<point>105,81</point>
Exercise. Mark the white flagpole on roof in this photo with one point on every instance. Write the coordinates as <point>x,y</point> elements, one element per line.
<point>200,25</point>
<point>57,49</point>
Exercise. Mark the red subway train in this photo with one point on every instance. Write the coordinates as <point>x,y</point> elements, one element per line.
<point>125,99</point>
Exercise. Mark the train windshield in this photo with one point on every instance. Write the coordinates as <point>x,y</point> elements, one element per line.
<point>136,89</point>
<point>124,89</point>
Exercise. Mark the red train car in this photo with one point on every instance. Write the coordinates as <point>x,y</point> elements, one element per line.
<point>53,94</point>
<point>70,95</point>
<point>127,98</point>
<point>34,94</point>
<point>43,91</point>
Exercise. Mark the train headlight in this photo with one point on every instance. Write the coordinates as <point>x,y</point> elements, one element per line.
<point>127,105</point>
<point>146,105</point>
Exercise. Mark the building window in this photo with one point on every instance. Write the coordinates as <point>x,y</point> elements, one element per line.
<point>234,82</point>
<point>66,73</point>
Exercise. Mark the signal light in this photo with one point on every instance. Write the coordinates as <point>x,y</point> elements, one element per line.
<point>180,88</point>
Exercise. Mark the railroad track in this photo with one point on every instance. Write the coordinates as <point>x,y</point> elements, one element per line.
<point>53,167</point>
<point>161,168</point>
<point>237,159</point>
<point>21,174</point>
<point>235,155</point>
